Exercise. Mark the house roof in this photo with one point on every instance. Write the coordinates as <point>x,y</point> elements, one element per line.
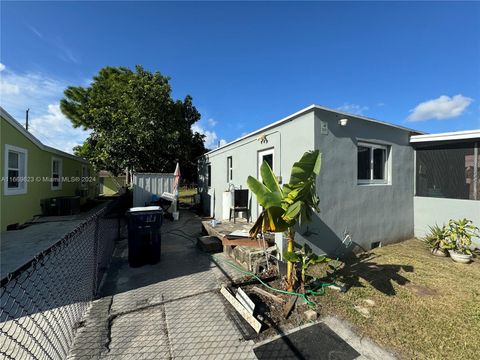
<point>306,110</point>
<point>9,118</point>
<point>455,135</point>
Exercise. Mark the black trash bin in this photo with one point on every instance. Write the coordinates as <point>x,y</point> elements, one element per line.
<point>144,240</point>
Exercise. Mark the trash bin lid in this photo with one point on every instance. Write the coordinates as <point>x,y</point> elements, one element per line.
<point>145,208</point>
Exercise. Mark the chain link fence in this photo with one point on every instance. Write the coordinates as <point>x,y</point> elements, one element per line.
<point>43,302</point>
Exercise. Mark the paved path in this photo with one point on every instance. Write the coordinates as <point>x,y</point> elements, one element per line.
<point>171,310</point>
<point>20,246</point>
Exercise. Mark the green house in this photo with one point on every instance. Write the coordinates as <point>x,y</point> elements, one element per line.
<point>33,173</point>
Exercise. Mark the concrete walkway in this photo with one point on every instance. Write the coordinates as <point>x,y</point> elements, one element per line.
<point>171,310</point>
<point>20,246</point>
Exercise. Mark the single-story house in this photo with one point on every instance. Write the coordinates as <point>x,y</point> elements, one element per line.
<point>366,184</point>
<point>33,172</point>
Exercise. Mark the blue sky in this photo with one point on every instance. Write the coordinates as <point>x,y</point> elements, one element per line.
<point>249,64</point>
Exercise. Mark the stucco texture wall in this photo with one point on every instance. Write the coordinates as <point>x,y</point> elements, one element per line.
<point>289,141</point>
<point>369,213</point>
<point>430,211</point>
<point>22,207</point>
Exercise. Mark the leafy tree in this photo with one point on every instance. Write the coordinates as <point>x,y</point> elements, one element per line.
<point>135,123</point>
<point>284,207</point>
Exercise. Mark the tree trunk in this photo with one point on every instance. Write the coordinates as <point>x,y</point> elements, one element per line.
<point>290,265</point>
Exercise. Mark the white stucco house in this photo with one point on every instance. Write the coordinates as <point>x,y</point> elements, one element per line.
<point>378,181</point>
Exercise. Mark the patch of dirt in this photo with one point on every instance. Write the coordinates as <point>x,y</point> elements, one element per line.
<point>421,290</point>
<point>272,311</point>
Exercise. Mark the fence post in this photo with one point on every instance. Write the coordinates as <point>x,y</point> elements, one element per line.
<point>95,253</point>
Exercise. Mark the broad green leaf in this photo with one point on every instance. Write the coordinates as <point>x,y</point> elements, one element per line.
<point>269,179</point>
<point>291,256</point>
<point>292,211</point>
<point>265,197</point>
<point>308,166</point>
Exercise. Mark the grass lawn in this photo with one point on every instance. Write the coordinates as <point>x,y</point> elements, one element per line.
<point>424,307</point>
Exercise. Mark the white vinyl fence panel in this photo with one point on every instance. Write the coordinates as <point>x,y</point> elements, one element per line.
<point>145,185</point>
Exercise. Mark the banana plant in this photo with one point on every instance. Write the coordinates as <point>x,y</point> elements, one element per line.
<point>305,257</point>
<point>284,207</point>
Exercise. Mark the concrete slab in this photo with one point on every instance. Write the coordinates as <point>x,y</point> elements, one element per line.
<point>20,246</point>
<point>210,244</point>
<point>173,310</point>
<point>339,342</point>
<point>168,310</point>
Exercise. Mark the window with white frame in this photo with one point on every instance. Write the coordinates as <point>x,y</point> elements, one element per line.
<point>229,169</point>
<point>372,163</point>
<point>56,173</point>
<point>15,170</point>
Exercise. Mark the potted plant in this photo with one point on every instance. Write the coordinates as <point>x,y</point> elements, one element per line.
<point>438,240</point>
<point>460,239</point>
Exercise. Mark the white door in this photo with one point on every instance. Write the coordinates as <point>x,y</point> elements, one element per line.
<point>265,155</point>
<point>268,156</point>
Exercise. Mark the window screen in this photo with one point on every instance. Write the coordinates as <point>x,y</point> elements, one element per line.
<point>372,163</point>
<point>363,163</point>
<point>448,171</point>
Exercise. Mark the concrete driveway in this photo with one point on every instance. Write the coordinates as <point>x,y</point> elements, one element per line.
<point>171,310</point>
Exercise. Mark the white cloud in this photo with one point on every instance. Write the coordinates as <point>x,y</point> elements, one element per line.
<point>41,94</point>
<point>2,67</point>
<point>212,122</point>
<point>35,31</point>
<point>64,52</point>
<point>443,107</point>
<point>54,129</point>
<point>211,139</point>
<point>353,108</point>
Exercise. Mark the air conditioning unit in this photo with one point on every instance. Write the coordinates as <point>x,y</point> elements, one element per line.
<point>83,193</point>
<point>59,206</point>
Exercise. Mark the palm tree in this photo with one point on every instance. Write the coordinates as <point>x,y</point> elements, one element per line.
<point>284,207</point>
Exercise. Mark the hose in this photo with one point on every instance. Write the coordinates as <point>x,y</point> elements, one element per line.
<point>304,296</point>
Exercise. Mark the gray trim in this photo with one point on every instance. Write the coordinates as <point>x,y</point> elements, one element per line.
<point>304,111</point>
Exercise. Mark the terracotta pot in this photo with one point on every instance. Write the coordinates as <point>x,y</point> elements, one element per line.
<point>459,257</point>
<point>439,252</point>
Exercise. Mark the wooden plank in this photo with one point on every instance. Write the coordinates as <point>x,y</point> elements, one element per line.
<point>247,303</point>
<point>254,323</point>
<point>287,309</point>
<point>269,295</point>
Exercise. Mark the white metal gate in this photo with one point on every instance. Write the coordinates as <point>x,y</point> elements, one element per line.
<point>146,185</point>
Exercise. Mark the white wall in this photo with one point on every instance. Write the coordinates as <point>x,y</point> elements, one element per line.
<point>430,211</point>
<point>289,141</point>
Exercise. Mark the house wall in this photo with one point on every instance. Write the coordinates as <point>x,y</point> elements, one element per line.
<point>22,207</point>
<point>289,141</point>
<point>369,213</point>
<point>430,211</point>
